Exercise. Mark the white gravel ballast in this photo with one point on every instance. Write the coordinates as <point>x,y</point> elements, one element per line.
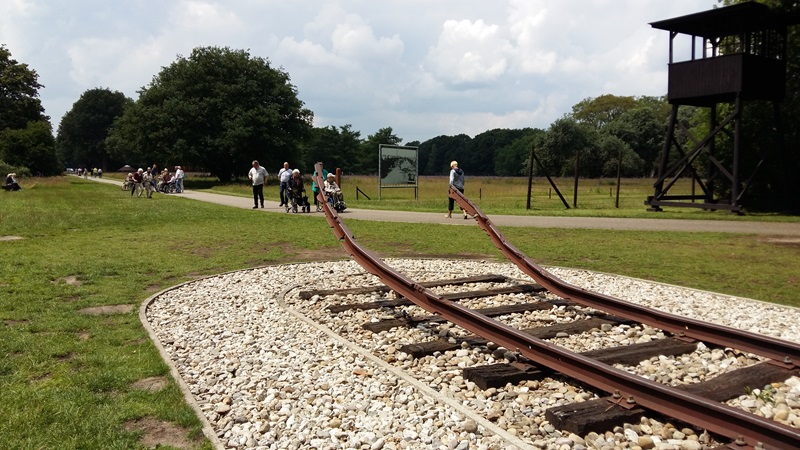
<point>269,370</point>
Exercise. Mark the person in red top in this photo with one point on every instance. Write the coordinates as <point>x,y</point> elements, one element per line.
<point>137,182</point>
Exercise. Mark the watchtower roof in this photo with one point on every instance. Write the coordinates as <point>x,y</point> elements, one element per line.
<point>728,21</point>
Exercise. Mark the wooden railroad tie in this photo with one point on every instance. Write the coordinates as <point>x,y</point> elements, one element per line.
<point>388,324</point>
<point>595,415</point>
<point>455,296</point>
<point>490,278</point>
<point>442,345</point>
<point>494,375</point>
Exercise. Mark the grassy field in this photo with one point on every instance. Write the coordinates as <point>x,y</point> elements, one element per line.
<point>68,379</point>
<point>507,195</point>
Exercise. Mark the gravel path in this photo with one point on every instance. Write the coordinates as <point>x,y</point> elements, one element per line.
<point>268,370</point>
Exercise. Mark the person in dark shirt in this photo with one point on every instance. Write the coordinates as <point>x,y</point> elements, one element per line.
<point>11,182</point>
<point>137,182</point>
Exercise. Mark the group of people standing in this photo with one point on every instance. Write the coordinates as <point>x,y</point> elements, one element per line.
<point>150,180</point>
<point>290,181</point>
<point>94,172</point>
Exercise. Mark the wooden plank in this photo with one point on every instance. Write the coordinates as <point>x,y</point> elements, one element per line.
<point>601,415</point>
<point>393,303</point>
<point>422,349</point>
<point>489,278</point>
<point>388,324</point>
<point>579,326</point>
<point>597,415</point>
<point>498,375</point>
<point>485,376</point>
<point>523,288</point>
<point>733,384</point>
<point>517,289</point>
<point>634,354</point>
<point>575,327</point>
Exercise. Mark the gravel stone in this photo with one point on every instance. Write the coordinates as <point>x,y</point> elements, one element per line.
<point>270,370</point>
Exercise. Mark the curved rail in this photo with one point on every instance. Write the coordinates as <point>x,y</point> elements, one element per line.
<point>713,416</point>
<point>782,352</point>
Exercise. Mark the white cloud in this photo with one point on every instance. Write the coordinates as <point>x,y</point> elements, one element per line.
<point>468,53</point>
<point>526,24</point>
<point>357,41</point>
<point>424,68</point>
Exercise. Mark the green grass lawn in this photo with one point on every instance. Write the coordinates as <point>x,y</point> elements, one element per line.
<point>509,195</point>
<point>67,379</point>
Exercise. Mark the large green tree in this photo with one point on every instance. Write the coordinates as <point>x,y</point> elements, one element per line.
<point>600,111</point>
<point>32,147</point>
<point>334,147</point>
<point>26,138</point>
<point>435,154</point>
<point>644,132</point>
<point>512,160</point>
<point>83,130</point>
<point>216,110</point>
<point>19,92</point>
<point>565,143</point>
<point>367,158</point>
<point>639,122</point>
<point>483,149</point>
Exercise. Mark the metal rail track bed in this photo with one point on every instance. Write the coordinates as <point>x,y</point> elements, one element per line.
<point>745,430</point>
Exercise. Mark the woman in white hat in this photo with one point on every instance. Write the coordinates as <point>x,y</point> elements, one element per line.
<point>11,182</point>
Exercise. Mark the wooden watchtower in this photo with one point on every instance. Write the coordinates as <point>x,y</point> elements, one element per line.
<point>736,53</point>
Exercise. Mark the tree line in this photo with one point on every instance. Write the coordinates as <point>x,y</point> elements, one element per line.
<point>218,109</point>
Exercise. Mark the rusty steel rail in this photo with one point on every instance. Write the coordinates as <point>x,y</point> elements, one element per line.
<point>713,416</point>
<point>781,352</point>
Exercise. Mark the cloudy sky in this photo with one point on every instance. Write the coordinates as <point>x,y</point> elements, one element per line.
<point>423,67</point>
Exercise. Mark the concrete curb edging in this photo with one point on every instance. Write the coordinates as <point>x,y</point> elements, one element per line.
<point>208,430</point>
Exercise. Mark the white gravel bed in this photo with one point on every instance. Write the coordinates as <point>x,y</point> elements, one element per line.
<point>272,371</point>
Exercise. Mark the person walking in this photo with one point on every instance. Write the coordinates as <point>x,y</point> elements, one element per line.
<point>138,177</point>
<point>178,179</point>
<point>457,181</point>
<point>147,182</point>
<point>315,188</point>
<point>284,175</point>
<point>154,175</point>
<point>257,175</point>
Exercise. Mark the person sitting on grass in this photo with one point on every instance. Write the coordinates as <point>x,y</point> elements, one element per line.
<point>11,183</point>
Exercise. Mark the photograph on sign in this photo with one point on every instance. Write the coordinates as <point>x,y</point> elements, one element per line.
<point>398,165</point>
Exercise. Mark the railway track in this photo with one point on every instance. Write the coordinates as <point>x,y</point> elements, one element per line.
<point>699,405</point>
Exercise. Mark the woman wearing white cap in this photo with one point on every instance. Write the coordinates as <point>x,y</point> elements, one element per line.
<point>11,182</point>
<point>178,179</point>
